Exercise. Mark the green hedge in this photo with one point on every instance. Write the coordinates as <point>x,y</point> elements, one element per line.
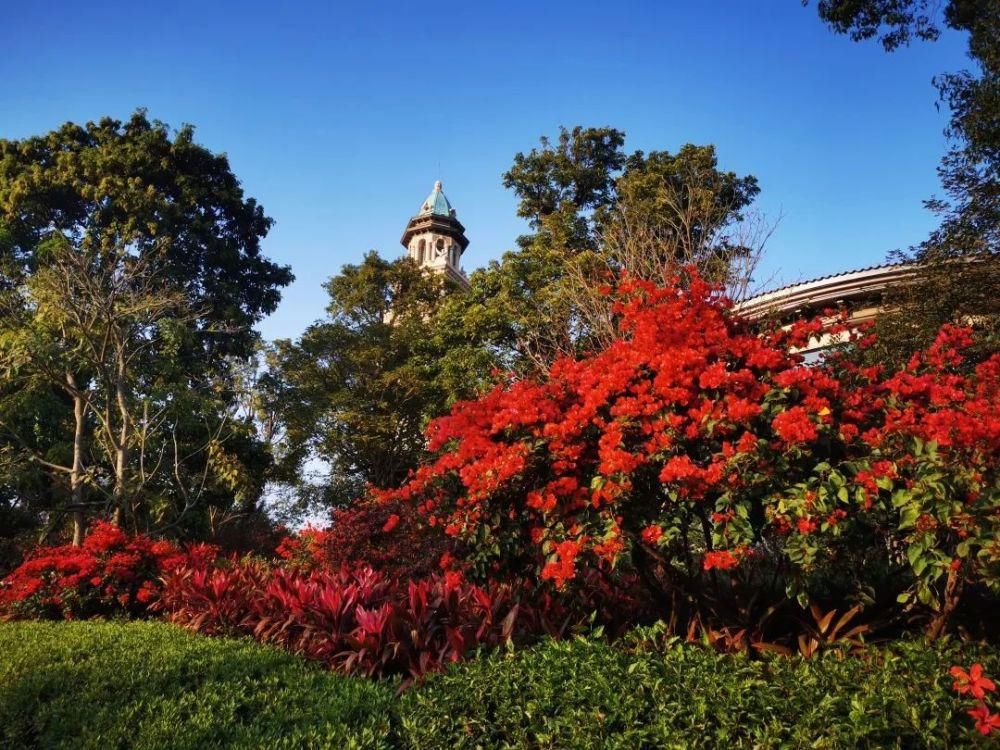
<point>151,685</point>
<point>585,694</point>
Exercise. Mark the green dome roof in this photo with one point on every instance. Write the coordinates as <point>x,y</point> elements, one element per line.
<point>436,203</point>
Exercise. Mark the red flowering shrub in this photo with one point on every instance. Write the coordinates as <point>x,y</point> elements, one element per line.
<point>358,621</point>
<point>699,449</point>
<point>111,574</point>
<point>978,686</point>
<point>304,549</point>
<point>386,536</point>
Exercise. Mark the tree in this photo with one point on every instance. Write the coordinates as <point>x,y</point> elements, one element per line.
<point>129,184</point>
<point>111,308</point>
<point>597,211</point>
<point>895,22</point>
<point>137,252</point>
<point>671,213</point>
<point>39,354</point>
<point>356,389</point>
<point>560,185</point>
<point>679,208</point>
<point>961,259</point>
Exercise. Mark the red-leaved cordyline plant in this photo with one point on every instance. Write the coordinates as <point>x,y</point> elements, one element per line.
<point>355,620</point>
<point>975,684</point>
<point>111,574</point>
<point>700,452</point>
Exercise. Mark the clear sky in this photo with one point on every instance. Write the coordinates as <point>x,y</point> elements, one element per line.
<point>338,117</point>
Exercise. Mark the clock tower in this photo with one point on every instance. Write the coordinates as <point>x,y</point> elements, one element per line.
<point>435,238</point>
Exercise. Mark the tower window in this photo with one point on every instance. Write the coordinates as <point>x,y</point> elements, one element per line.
<point>420,251</point>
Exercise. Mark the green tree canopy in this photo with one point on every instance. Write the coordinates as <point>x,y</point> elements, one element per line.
<point>595,209</point>
<point>132,275</point>
<point>115,185</point>
<point>355,391</point>
<point>961,258</point>
<point>560,183</point>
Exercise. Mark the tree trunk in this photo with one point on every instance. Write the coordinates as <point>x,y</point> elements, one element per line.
<point>952,593</point>
<point>121,447</point>
<point>76,475</point>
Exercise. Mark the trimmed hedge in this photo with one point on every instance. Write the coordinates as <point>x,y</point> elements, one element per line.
<point>587,694</point>
<point>151,685</point>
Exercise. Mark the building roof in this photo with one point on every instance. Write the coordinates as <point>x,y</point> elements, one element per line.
<point>436,215</point>
<point>826,291</point>
<point>436,204</point>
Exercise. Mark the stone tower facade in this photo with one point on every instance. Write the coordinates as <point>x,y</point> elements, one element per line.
<point>435,238</point>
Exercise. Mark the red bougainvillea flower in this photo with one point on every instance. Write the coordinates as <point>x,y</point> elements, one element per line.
<point>986,722</point>
<point>111,574</point>
<point>973,682</point>
<point>720,560</point>
<point>391,523</point>
<point>563,569</point>
<point>794,426</point>
<point>805,525</point>
<point>652,534</point>
<point>696,414</point>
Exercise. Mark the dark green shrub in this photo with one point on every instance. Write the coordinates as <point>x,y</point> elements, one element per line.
<point>150,685</point>
<point>586,694</point>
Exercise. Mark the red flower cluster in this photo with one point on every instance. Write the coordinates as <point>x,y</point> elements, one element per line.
<point>391,523</point>
<point>387,536</point>
<point>701,422</point>
<point>305,549</point>
<point>722,559</point>
<point>973,682</point>
<point>978,685</point>
<point>112,573</point>
<point>652,534</point>
<point>794,426</point>
<point>563,568</point>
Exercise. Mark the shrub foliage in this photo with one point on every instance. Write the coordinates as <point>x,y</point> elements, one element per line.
<point>702,453</point>
<point>111,573</point>
<point>151,685</point>
<point>383,535</point>
<point>589,694</point>
<point>358,621</point>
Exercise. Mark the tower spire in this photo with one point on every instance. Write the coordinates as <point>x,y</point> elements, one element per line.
<point>435,238</point>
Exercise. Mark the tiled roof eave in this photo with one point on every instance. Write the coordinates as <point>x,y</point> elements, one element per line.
<point>827,291</point>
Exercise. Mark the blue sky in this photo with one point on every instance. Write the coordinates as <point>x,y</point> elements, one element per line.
<point>339,117</point>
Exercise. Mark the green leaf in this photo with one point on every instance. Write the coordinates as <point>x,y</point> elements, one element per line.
<point>901,498</point>
<point>908,517</point>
